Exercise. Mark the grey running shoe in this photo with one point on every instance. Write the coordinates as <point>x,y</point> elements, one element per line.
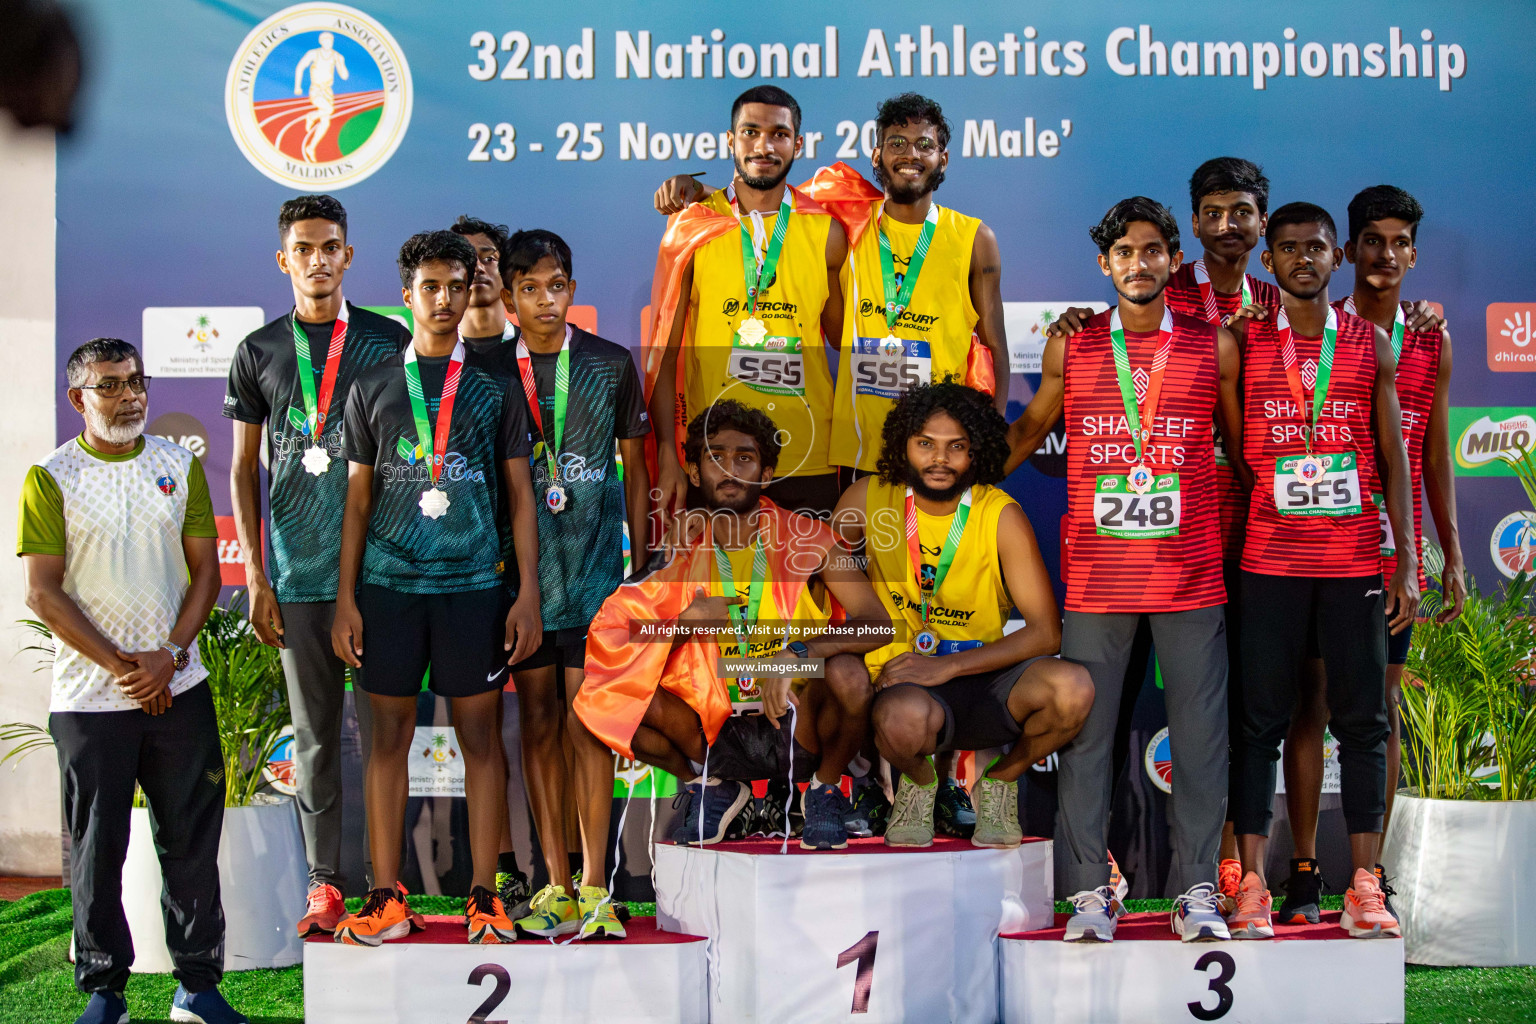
<point>997,814</point>
<point>911,814</point>
<point>1097,911</point>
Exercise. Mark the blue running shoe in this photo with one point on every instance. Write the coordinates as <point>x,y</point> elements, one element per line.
<point>952,811</point>
<point>824,808</point>
<point>719,801</point>
<point>105,1008</point>
<point>203,1008</point>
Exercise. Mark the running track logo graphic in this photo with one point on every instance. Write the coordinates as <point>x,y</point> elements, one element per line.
<point>318,96</point>
<point>1513,544</point>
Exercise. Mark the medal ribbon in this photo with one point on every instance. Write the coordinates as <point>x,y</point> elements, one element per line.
<point>435,447</point>
<point>759,268</point>
<point>896,300</point>
<point>562,395</point>
<point>946,555</point>
<point>754,590</point>
<point>1399,327</point>
<point>1208,293</point>
<point>1293,372</point>
<point>316,407</point>
<point>1133,417</point>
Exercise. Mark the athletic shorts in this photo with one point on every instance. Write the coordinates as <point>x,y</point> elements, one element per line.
<point>1397,646</point>
<point>750,748</point>
<point>810,495</point>
<point>976,714</point>
<point>567,646</point>
<point>459,636</point>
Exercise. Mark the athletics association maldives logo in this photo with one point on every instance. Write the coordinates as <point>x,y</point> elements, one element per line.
<point>1513,544</point>
<point>318,96</point>
<point>1158,760</point>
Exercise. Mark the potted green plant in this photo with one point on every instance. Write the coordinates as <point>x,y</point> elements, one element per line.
<point>1461,846</point>
<point>261,851</point>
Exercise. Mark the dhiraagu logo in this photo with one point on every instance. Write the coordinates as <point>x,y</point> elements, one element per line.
<point>318,96</point>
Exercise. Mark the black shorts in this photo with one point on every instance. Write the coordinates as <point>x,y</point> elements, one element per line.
<point>750,748</point>
<point>458,635</point>
<point>566,646</point>
<point>976,714</point>
<point>1397,646</point>
<point>810,495</point>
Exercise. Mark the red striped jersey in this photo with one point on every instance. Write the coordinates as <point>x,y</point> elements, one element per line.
<point>1106,572</point>
<point>1417,367</point>
<point>1185,295</point>
<point>1273,428</point>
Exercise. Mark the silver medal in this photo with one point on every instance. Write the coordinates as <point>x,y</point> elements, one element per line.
<point>434,502</point>
<point>316,460</point>
<point>554,499</point>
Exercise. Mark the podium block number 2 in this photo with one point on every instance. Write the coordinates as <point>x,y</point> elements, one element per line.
<point>1225,969</point>
<point>492,1001</point>
<point>862,953</point>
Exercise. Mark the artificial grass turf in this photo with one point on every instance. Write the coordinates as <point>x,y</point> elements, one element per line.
<point>37,983</point>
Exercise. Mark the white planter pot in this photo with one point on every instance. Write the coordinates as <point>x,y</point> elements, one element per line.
<point>263,880</point>
<point>1465,875</point>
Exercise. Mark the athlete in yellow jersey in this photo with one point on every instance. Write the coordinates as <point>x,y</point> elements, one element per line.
<point>954,680</point>
<point>759,578</point>
<point>753,293</point>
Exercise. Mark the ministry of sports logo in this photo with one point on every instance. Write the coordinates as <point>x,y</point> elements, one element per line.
<point>318,96</point>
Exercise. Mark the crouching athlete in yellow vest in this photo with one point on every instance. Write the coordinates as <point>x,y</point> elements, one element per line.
<point>950,553</point>
<point>754,586</point>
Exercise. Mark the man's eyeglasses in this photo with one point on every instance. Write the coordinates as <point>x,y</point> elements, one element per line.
<point>898,145</point>
<point>113,388</point>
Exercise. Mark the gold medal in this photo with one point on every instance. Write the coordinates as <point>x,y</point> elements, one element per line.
<point>752,331</point>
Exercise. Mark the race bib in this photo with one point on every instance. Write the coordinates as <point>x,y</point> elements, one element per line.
<point>1329,487</point>
<point>887,367</point>
<point>773,365</point>
<point>1388,542</point>
<point>1120,512</point>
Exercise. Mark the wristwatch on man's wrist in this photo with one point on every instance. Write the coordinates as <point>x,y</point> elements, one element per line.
<point>798,649</point>
<point>179,655</point>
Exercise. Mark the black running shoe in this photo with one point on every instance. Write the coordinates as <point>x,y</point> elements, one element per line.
<point>871,810</point>
<point>779,795</point>
<point>953,814</point>
<point>720,802</point>
<point>1302,891</point>
<point>1387,892</point>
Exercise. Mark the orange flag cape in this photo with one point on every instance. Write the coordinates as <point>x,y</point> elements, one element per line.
<point>623,670</point>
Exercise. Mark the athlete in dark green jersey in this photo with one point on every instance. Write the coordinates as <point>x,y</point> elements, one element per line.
<point>292,608</point>
<point>437,450</point>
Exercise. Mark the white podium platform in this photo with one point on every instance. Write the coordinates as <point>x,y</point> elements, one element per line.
<point>887,934</point>
<point>1312,973</point>
<point>435,977</point>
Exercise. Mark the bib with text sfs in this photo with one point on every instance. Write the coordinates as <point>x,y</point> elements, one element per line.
<point>771,365</point>
<point>1320,485</point>
<point>1119,511</point>
<point>887,367</point>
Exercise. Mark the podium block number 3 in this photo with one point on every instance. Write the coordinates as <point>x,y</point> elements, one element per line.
<point>492,1001</point>
<point>863,953</point>
<point>1225,969</point>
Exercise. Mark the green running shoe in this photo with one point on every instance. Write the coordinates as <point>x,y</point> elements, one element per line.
<point>997,814</point>
<point>599,915</point>
<point>551,913</point>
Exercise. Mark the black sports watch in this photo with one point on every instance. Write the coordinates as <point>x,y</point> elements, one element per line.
<point>798,649</point>
<point>179,655</point>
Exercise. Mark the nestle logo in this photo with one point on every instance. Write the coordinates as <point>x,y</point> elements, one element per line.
<point>1509,336</point>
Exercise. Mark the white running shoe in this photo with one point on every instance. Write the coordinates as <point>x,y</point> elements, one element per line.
<point>1197,915</point>
<point>1097,911</point>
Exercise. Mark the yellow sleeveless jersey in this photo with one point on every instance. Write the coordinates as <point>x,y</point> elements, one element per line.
<point>768,638</point>
<point>934,331</point>
<point>786,374</point>
<point>972,605</point>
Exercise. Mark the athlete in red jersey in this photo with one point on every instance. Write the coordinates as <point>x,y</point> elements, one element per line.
<point>1319,403</point>
<point>1140,385</point>
<point>1383,225</point>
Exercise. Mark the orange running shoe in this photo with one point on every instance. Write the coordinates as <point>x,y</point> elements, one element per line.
<point>1228,877</point>
<point>1251,918</point>
<point>487,919</point>
<point>384,916</point>
<point>1365,910</point>
<point>324,911</point>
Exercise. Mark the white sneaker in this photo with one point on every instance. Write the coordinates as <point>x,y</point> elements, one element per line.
<point>1097,911</point>
<point>1197,915</point>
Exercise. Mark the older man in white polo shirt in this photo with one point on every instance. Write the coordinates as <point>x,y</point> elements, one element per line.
<point>120,549</point>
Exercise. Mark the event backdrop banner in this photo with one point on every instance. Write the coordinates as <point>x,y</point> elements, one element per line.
<point>201,116</point>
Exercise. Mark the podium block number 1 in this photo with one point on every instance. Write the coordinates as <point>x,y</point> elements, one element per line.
<point>863,952</point>
<point>492,1001</point>
<point>1225,969</point>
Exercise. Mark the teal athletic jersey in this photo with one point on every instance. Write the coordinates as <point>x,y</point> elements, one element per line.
<point>304,510</point>
<point>461,550</point>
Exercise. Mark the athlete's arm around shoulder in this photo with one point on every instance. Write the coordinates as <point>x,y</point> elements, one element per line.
<point>986,285</point>
<point>1403,589</point>
<point>832,310</point>
<point>1440,486</point>
<point>1229,403</point>
<point>1026,433</point>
